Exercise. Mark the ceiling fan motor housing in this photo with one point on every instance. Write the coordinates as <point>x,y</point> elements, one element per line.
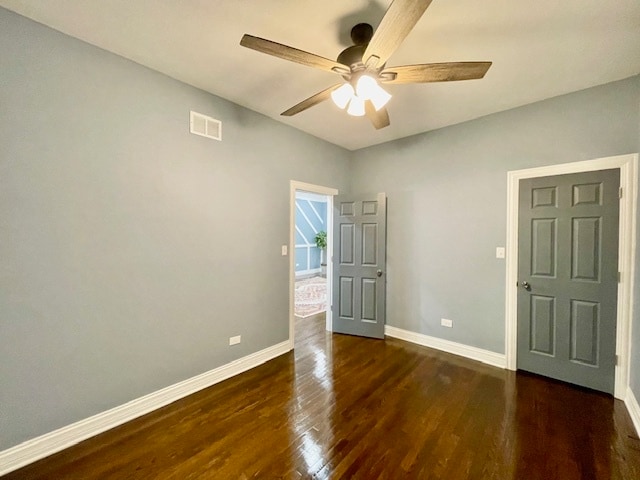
<point>361,34</point>
<point>352,56</point>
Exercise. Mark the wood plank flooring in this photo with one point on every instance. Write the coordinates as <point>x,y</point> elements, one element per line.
<point>353,408</point>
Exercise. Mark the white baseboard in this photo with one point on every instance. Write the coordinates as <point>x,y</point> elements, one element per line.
<point>484,356</point>
<point>52,442</point>
<point>634,409</point>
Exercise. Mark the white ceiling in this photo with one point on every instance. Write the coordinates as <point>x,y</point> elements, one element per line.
<point>539,50</point>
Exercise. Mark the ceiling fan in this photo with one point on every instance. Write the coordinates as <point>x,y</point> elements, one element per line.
<point>363,65</point>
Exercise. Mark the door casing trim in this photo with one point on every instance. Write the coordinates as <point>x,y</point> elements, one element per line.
<point>628,166</point>
<point>330,193</point>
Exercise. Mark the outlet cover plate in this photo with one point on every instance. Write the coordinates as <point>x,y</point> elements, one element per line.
<point>446,323</point>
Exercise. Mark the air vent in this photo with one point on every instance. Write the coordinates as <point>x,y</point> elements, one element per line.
<point>205,126</point>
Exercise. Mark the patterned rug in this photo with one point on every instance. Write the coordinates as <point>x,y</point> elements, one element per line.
<point>311,297</point>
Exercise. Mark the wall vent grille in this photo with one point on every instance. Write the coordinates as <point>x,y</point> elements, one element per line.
<point>205,126</point>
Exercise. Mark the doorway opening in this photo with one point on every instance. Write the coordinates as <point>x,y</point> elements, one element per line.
<point>310,269</point>
<point>310,255</point>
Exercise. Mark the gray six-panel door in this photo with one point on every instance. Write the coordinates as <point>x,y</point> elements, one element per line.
<point>359,256</point>
<point>568,277</point>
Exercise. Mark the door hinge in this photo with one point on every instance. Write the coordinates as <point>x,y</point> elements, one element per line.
<point>617,360</point>
<point>619,277</point>
<point>620,192</point>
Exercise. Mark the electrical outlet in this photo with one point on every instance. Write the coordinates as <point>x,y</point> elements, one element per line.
<point>500,252</point>
<point>446,323</point>
<point>283,250</point>
<point>235,340</point>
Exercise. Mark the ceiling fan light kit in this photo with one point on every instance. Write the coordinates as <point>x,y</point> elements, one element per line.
<point>363,65</point>
<point>367,88</point>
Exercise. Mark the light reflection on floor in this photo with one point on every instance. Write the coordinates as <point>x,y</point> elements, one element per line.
<point>313,389</point>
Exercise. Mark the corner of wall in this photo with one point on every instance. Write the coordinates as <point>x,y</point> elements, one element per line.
<point>634,409</point>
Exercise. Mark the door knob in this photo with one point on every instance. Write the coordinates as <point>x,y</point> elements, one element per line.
<point>379,273</point>
<point>526,286</point>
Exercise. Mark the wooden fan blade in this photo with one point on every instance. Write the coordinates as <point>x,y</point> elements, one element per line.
<point>396,24</point>
<point>434,72</point>
<point>293,54</point>
<point>311,101</point>
<point>379,118</point>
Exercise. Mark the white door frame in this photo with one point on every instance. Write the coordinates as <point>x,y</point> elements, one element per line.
<point>628,166</point>
<point>330,192</point>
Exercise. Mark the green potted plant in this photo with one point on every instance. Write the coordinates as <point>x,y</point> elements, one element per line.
<point>321,243</point>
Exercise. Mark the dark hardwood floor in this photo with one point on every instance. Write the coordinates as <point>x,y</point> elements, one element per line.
<point>347,407</point>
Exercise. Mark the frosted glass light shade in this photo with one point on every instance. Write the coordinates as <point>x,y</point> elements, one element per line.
<point>342,95</point>
<point>356,107</point>
<point>380,98</point>
<point>367,88</point>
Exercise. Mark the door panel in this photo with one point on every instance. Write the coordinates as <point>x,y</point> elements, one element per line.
<point>585,325</point>
<point>369,247</point>
<point>568,255</point>
<point>543,324</point>
<point>585,251</point>
<point>346,247</point>
<point>358,304</point>
<point>543,247</point>
<point>346,298</point>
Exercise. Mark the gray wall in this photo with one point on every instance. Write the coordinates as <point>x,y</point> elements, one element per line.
<point>124,238</point>
<point>447,203</point>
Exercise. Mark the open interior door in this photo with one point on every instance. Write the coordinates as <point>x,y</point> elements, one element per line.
<point>359,260</point>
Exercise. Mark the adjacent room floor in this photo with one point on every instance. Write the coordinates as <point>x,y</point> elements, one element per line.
<point>347,407</point>
<point>310,296</point>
